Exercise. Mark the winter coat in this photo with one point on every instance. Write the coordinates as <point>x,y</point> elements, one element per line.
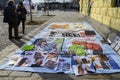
<point>21,11</point>
<point>10,15</point>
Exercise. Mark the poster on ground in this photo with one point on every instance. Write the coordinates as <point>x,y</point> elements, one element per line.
<point>68,47</point>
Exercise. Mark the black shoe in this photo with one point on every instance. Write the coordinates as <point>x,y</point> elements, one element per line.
<point>18,37</point>
<point>11,37</point>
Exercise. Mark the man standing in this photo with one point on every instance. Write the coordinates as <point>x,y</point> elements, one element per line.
<point>10,17</point>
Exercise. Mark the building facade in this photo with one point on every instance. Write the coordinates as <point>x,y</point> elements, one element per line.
<point>104,11</point>
<point>3,3</point>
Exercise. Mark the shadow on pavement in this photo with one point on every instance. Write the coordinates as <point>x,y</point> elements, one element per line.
<point>48,76</point>
<point>18,43</point>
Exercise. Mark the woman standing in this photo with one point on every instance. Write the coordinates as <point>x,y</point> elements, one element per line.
<point>21,11</point>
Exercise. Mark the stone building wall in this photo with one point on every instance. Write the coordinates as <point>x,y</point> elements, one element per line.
<point>103,11</point>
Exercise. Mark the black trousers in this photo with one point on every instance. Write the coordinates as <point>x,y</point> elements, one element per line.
<point>23,25</point>
<point>11,27</point>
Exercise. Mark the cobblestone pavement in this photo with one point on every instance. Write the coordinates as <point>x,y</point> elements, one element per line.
<point>8,47</point>
<point>4,41</point>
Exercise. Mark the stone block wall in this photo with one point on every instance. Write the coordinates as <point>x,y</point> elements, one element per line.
<point>103,11</point>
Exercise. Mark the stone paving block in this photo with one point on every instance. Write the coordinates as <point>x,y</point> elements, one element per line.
<point>72,77</point>
<point>45,75</point>
<point>90,79</point>
<point>87,77</point>
<point>59,79</point>
<point>20,74</point>
<point>57,76</point>
<point>7,78</point>
<point>117,76</point>
<point>4,73</point>
<point>36,75</point>
<point>27,78</point>
<point>76,78</point>
<point>94,77</point>
<point>8,51</point>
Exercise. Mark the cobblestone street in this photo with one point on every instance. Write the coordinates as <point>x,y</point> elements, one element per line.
<point>8,47</point>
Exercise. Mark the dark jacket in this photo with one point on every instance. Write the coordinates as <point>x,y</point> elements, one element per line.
<point>21,11</point>
<point>10,15</point>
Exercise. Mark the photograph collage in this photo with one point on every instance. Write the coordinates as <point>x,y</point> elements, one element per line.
<point>67,47</point>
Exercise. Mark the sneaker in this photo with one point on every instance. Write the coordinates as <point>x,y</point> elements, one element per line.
<point>18,37</point>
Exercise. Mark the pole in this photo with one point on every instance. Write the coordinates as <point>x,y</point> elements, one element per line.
<point>30,11</point>
<point>48,7</point>
<point>64,6</point>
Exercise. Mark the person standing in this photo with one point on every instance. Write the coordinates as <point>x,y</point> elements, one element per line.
<point>21,11</point>
<point>10,17</point>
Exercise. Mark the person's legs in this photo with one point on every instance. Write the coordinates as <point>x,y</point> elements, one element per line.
<point>18,23</point>
<point>10,30</point>
<point>23,26</point>
<point>16,32</point>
